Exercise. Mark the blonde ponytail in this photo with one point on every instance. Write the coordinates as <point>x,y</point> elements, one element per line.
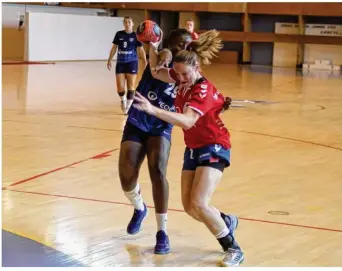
<point>201,51</point>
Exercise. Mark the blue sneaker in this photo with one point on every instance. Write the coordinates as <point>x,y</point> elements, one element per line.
<point>233,257</point>
<point>163,243</point>
<point>138,217</point>
<point>232,222</point>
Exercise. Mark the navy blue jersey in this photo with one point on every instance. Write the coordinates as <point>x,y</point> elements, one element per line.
<point>127,46</point>
<point>161,95</point>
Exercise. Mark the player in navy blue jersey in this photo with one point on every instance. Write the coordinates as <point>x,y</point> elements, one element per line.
<point>146,135</point>
<point>143,136</point>
<point>128,47</point>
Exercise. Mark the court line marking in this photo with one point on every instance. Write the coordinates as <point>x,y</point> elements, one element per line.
<point>68,126</point>
<point>27,63</point>
<point>58,169</point>
<point>230,129</point>
<point>288,138</point>
<point>171,209</point>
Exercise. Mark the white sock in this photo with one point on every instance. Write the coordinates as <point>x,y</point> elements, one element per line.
<point>161,222</point>
<point>123,98</point>
<point>135,198</point>
<point>223,233</point>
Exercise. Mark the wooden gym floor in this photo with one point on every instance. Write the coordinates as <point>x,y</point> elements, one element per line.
<point>61,137</point>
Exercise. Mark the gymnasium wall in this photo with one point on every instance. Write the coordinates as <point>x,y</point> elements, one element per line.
<point>248,29</point>
<point>224,22</point>
<point>169,21</point>
<point>137,16</point>
<point>155,16</point>
<point>262,53</point>
<point>287,54</point>
<point>323,51</point>
<point>60,37</point>
<point>314,52</point>
<point>13,39</point>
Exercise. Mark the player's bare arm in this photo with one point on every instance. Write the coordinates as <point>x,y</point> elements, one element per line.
<point>164,59</point>
<point>158,72</point>
<point>184,120</point>
<point>111,55</point>
<point>142,55</point>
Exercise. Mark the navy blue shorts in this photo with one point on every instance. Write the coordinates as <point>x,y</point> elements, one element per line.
<point>129,67</point>
<point>212,154</point>
<point>133,133</point>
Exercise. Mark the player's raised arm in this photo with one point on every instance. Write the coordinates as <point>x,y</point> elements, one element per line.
<point>142,55</point>
<point>158,71</point>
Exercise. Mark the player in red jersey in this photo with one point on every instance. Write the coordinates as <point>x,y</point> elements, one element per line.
<point>207,152</point>
<point>190,25</point>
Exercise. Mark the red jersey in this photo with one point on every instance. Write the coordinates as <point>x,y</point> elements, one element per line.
<point>204,98</point>
<point>194,35</point>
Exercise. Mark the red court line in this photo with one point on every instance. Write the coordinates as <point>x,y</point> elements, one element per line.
<point>289,138</point>
<point>70,126</point>
<point>174,210</point>
<point>25,63</point>
<point>58,169</point>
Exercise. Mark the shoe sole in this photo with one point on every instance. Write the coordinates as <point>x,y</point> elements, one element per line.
<point>134,233</point>
<point>162,252</point>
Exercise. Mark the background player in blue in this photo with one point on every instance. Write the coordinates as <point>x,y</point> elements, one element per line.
<point>127,45</point>
<point>145,135</point>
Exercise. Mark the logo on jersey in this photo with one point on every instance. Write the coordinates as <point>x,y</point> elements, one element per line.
<point>203,93</point>
<point>152,96</point>
<point>164,106</point>
<point>125,52</point>
<point>204,154</point>
<point>131,39</point>
<point>217,147</point>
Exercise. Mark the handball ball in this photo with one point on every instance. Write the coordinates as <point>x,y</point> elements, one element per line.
<point>148,31</point>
